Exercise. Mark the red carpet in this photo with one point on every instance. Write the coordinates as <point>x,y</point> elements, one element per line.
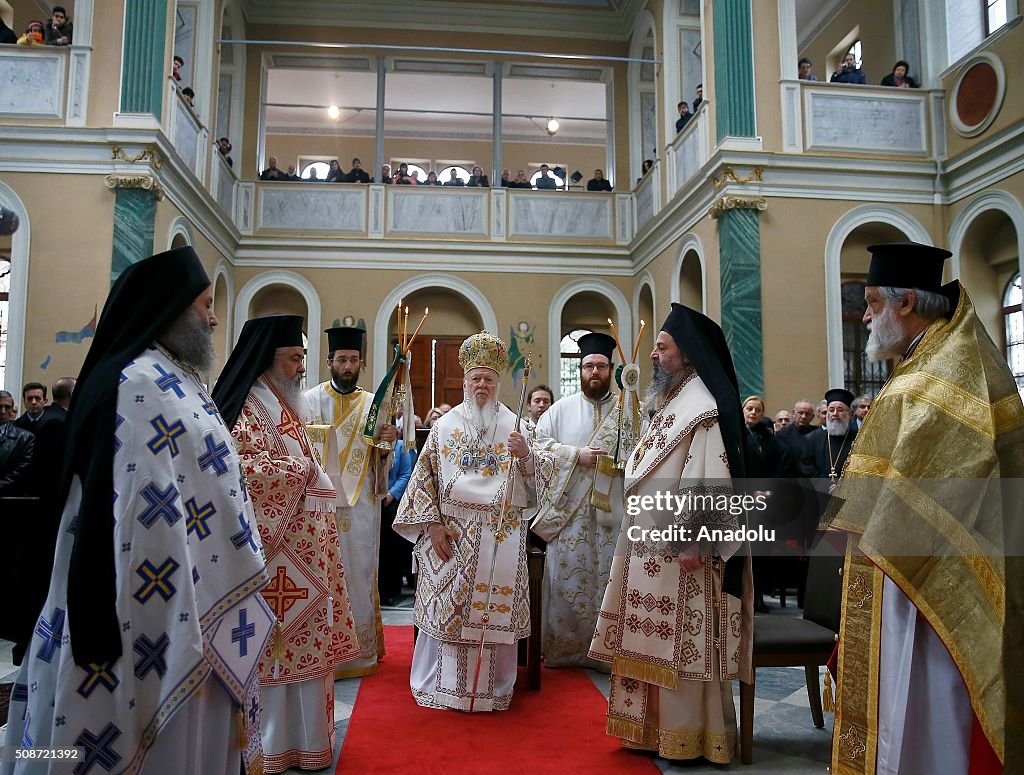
<point>558,730</point>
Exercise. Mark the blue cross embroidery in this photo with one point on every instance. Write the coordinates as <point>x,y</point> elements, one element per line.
<point>118,421</point>
<point>26,739</point>
<point>168,381</point>
<point>166,435</point>
<point>214,456</point>
<point>98,749</point>
<point>242,633</point>
<point>156,580</point>
<point>211,408</point>
<point>197,517</point>
<point>52,633</point>
<point>161,504</point>
<point>244,536</point>
<point>151,655</point>
<point>98,675</point>
<point>19,693</point>
<point>195,575</point>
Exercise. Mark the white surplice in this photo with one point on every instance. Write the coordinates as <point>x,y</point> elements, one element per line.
<point>581,538</point>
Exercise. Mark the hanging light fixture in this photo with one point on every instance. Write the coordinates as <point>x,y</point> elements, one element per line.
<point>333,112</point>
<point>552,126</point>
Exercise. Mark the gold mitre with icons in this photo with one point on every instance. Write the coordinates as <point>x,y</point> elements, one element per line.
<point>483,351</point>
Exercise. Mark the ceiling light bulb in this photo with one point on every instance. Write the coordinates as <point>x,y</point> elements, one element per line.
<point>552,126</point>
<point>333,112</point>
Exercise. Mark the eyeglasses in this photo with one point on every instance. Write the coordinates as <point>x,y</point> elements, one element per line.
<point>595,367</point>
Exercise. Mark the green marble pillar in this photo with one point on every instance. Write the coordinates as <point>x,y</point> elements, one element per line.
<point>739,247</point>
<point>739,233</point>
<point>134,222</point>
<point>143,69</point>
<point>734,69</point>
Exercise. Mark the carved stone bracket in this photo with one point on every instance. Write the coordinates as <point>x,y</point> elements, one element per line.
<point>729,176</point>
<point>148,154</point>
<point>146,182</point>
<point>737,202</point>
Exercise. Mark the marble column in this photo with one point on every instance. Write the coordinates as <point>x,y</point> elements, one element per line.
<point>134,222</point>
<point>739,234</point>
<point>739,247</point>
<point>143,67</point>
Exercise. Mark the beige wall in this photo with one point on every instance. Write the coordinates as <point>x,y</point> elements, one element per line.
<point>1010,50</point>
<point>875,18</point>
<point>69,267</point>
<point>513,298</point>
<point>766,80</point>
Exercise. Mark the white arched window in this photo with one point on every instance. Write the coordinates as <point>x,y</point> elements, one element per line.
<point>558,181</point>
<point>446,174</point>
<point>569,367</point>
<point>321,167</point>
<point>1013,321</point>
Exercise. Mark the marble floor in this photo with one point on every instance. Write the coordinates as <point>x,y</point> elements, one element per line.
<point>785,740</point>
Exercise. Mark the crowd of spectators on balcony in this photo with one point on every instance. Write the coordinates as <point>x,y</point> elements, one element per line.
<point>57,31</point>
<point>899,77</point>
<point>453,176</point>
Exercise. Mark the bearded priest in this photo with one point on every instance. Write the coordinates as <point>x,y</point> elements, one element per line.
<point>260,396</point>
<point>464,511</point>
<point>677,619</point>
<point>827,452</point>
<point>359,472</point>
<point>579,433</point>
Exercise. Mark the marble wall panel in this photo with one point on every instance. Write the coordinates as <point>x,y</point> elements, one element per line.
<point>560,216</point>
<point>436,212</point>
<point>866,121</point>
<point>312,207</point>
<point>32,84</point>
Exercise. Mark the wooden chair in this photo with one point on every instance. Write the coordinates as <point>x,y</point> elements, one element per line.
<point>782,641</point>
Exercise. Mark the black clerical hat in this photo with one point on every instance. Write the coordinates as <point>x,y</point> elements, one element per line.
<point>346,338</point>
<point>594,343</point>
<point>907,265</point>
<point>839,394</point>
<point>252,355</point>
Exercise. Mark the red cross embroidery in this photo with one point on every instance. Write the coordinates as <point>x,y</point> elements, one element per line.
<point>289,427</point>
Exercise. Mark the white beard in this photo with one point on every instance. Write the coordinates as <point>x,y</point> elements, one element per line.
<point>885,339</point>
<point>482,417</point>
<point>837,427</point>
<point>290,390</point>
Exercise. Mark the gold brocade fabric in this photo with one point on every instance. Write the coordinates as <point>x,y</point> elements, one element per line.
<point>929,488</point>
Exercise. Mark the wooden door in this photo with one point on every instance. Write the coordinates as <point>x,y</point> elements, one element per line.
<point>446,374</point>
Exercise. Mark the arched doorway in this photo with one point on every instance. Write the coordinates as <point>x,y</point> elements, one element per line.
<point>691,280</point>
<point>645,312</point>
<point>435,373</point>
<point>584,312</point>
<point>222,309</point>
<point>989,259</point>
<point>860,375</point>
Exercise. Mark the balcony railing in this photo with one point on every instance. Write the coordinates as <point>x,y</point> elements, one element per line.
<point>688,152</point>
<point>223,183</point>
<point>33,82</point>
<point>421,212</point>
<point>860,119</point>
<point>647,195</point>
<point>188,135</point>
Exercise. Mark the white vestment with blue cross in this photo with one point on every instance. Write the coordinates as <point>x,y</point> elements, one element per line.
<point>189,568</point>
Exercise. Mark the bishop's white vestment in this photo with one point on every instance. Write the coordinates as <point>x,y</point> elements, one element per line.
<point>480,594</point>
<point>675,639</point>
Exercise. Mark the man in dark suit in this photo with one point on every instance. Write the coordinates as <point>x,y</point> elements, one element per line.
<point>33,396</point>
